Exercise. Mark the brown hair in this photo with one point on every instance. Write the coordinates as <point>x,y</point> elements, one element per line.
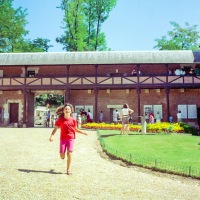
<point>125,105</point>
<point>60,109</point>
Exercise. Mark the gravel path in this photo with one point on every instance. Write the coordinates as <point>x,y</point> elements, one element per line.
<point>32,170</point>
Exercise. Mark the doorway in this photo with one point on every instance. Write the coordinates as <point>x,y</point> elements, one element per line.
<point>114,113</point>
<point>198,116</point>
<point>14,112</point>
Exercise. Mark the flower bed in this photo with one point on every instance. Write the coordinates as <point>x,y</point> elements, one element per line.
<point>151,128</point>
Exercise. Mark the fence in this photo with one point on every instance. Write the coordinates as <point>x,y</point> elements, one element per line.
<point>151,163</point>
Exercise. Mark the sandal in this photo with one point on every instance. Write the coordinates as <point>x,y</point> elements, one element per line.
<point>69,172</point>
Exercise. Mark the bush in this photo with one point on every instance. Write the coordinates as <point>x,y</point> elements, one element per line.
<point>189,129</point>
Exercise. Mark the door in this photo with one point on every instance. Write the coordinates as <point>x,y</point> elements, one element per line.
<point>198,116</point>
<point>14,112</point>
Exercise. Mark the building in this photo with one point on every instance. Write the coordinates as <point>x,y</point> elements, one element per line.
<point>101,81</point>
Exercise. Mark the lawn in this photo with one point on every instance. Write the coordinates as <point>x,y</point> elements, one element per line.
<point>174,151</point>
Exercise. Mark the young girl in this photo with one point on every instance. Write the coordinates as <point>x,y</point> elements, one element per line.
<point>68,129</point>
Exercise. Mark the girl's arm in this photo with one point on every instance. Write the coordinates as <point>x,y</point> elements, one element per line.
<point>53,132</point>
<point>130,111</point>
<point>79,131</point>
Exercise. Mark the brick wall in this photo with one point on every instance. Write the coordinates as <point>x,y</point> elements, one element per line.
<point>119,97</point>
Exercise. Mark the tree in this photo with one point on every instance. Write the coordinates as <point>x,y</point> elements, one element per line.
<point>36,45</point>
<point>96,13</point>
<point>179,38</point>
<point>13,32</point>
<point>54,100</point>
<point>41,44</point>
<point>82,24</point>
<point>12,23</point>
<point>75,29</point>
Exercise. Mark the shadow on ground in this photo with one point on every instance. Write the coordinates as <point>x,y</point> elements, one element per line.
<point>51,171</point>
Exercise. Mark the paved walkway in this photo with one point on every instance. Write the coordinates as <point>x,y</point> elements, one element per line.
<point>31,170</point>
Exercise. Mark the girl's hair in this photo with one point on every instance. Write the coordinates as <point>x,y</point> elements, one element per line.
<point>125,105</point>
<point>60,109</point>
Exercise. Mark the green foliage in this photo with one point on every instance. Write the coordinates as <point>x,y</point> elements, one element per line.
<point>37,45</point>
<point>13,32</point>
<point>54,100</point>
<point>82,24</point>
<point>12,23</point>
<point>179,38</point>
<point>188,128</point>
<point>40,44</point>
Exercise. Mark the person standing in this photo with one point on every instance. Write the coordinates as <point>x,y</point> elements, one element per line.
<point>89,117</point>
<point>79,121</point>
<point>68,129</point>
<point>170,119</point>
<point>151,119</point>
<point>48,118</point>
<point>179,117</point>
<point>101,117</point>
<point>126,111</point>
<point>134,73</point>
<point>44,118</point>
<point>52,120</point>
<point>158,117</point>
<point>83,116</point>
<point>116,117</point>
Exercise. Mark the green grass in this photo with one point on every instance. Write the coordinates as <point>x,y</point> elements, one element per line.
<point>177,150</point>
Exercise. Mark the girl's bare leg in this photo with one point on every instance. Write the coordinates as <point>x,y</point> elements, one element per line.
<point>69,158</point>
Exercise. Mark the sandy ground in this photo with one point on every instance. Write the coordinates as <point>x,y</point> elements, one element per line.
<point>31,169</point>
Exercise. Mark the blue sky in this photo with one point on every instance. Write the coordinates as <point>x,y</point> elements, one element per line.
<point>132,26</point>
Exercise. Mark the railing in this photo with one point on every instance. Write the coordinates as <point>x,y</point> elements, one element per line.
<point>101,81</point>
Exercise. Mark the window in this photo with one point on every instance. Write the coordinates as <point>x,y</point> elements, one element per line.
<point>31,73</point>
<point>152,108</point>
<point>30,70</point>
<point>188,111</point>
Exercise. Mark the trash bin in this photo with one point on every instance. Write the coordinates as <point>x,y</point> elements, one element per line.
<point>15,125</point>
